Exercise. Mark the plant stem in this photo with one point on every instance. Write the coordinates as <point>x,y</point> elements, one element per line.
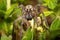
<point>8,4</point>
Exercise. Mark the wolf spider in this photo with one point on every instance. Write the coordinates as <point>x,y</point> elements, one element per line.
<point>29,13</point>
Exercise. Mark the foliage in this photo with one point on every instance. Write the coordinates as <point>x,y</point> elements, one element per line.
<point>3,5</point>
<point>7,18</point>
<point>51,3</point>
<point>4,37</point>
<point>55,28</point>
<point>28,35</point>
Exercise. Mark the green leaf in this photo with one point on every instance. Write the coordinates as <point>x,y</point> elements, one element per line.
<point>42,36</point>
<point>51,3</point>
<point>10,10</point>
<point>17,12</point>
<point>28,35</point>
<point>4,37</point>
<point>47,13</point>
<point>3,25</point>
<point>3,5</point>
<point>9,28</point>
<point>6,26</point>
<point>55,28</point>
<point>55,24</point>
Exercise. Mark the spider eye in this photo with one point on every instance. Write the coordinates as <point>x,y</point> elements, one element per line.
<point>32,9</point>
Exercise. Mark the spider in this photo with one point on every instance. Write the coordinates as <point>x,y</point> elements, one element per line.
<point>29,13</point>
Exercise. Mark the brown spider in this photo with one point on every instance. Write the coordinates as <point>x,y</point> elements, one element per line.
<point>29,12</point>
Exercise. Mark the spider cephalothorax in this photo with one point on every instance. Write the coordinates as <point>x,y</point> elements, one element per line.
<point>29,12</point>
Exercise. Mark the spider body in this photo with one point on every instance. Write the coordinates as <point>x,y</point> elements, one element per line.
<point>29,12</point>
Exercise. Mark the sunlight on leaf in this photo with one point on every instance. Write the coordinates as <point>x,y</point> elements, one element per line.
<point>51,3</point>
<point>47,13</point>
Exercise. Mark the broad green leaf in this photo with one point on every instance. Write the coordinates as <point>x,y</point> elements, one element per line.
<point>55,28</point>
<point>28,35</point>
<point>55,24</point>
<point>51,3</point>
